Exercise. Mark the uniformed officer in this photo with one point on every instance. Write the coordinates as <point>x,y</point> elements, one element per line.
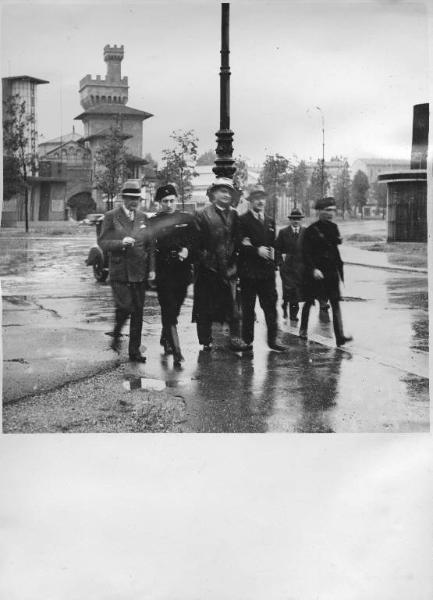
<point>124,235</point>
<point>256,267</point>
<point>323,268</point>
<point>173,234</point>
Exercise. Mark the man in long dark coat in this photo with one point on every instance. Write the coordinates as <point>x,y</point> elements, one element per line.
<point>215,266</point>
<point>125,236</point>
<point>323,268</point>
<point>289,257</point>
<point>173,234</point>
<point>257,268</point>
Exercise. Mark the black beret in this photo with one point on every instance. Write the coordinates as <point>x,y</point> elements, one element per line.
<point>165,190</point>
<point>325,203</point>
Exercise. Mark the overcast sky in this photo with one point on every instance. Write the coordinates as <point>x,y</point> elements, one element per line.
<point>363,63</point>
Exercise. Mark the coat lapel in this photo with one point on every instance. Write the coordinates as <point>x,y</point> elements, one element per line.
<point>123,220</point>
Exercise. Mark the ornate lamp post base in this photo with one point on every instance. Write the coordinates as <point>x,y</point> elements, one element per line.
<point>224,164</point>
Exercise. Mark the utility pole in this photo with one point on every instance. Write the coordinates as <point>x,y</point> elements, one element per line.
<point>322,174</point>
<point>224,163</point>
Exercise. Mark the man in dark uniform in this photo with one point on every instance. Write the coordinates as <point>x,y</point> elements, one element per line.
<point>215,269</point>
<point>124,235</point>
<point>256,268</point>
<point>173,235</point>
<point>289,257</point>
<point>323,268</point>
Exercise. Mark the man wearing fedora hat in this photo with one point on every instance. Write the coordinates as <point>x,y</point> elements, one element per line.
<point>173,234</point>
<point>257,268</point>
<point>323,268</point>
<point>289,257</point>
<point>125,236</point>
<point>215,269</point>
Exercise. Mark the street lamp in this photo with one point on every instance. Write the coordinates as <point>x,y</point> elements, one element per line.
<point>322,175</point>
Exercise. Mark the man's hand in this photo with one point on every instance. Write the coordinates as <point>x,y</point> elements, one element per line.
<point>128,241</point>
<point>317,274</point>
<point>151,276</point>
<point>183,253</point>
<point>264,252</point>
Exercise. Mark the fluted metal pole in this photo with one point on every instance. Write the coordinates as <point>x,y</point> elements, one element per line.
<point>224,163</point>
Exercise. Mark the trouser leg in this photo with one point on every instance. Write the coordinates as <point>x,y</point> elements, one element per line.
<point>294,309</point>
<point>204,329</point>
<point>305,316</point>
<point>248,301</point>
<point>267,293</point>
<point>337,320</point>
<point>136,323</point>
<point>120,316</point>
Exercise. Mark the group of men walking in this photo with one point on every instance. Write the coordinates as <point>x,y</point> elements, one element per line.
<point>232,258</point>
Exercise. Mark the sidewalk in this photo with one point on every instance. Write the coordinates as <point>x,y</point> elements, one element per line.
<point>352,255</point>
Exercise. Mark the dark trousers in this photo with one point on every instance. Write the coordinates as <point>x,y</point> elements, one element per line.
<point>337,319</point>
<point>171,296</point>
<point>129,302</point>
<point>266,291</point>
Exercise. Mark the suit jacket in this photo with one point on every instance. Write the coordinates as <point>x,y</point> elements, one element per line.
<point>217,235</point>
<point>125,264</point>
<point>250,264</point>
<point>291,267</point>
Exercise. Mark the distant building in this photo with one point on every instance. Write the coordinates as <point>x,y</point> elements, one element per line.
<point>373,167</point>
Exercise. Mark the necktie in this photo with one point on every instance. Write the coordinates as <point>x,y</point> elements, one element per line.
<point>132,215</point>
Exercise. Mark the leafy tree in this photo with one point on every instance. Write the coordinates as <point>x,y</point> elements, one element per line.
<point>274,177</point>
<point>111,164</point>
<point>19,160</point>
<point>207,158</point>
<point>360,187</point>
<point>314,189</point>
<point>298,183</point>
<point>343,190</point>
<point>379,189</point>
<point>240,178</point>
<point>179,162</point>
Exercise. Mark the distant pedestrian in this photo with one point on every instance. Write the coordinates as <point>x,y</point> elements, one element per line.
<point>173,234</point>
<point>323,268</point>
<point>125,236</point>
<point>215,268</point>
<point>257,269</point>
<point>289,257</point>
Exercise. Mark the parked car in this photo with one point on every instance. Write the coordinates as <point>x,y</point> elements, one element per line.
<point>97,258</point>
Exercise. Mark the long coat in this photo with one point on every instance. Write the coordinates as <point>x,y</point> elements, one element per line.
<point>291,267</point>
<point>320,251</point>
<point>215,263</point>
<point>125,264</point>
<point>250,264</point>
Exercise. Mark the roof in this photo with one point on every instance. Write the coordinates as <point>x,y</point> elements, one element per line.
<point>113,109</point>
<point>383,161</point>
<point>68,137</point>
<point>106,132</point>
<point>28,77</point>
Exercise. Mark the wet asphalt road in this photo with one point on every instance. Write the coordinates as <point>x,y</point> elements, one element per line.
<point>55,317</point>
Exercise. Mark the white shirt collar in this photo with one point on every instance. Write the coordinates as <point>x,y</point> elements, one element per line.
<point>258,215</point>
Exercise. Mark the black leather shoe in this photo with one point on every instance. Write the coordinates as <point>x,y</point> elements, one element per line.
<point>294,318</point>
<point>277,347</point>
<point>177,359</point>
<point>238,345</point>
<point>116,344</point>
<point>137,358</point>
<point>344,340</point>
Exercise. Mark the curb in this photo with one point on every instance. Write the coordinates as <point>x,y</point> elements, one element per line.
<point>387,267</point>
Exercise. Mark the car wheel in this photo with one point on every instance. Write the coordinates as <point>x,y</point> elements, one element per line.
<point>99,272</point>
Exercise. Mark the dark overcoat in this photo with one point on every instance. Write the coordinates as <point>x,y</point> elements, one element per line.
<point>125,264</point>
<point>250,264</point>
<point>215,263</point>
<point>320,251</point>
<point>289,245</point>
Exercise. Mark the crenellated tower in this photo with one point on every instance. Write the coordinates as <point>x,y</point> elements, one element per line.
<point>113,89</point>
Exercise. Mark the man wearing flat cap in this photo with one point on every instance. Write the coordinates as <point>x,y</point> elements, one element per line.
<point>215,270</point>
<point>125,236</point>
<point>257,268</point>
<point>323,268</point>
<point>289,259</point>
<point>173,234</point>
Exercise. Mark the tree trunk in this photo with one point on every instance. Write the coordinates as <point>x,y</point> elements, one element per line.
<point>26,207</point>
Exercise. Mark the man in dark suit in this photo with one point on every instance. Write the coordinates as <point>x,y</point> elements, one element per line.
<point>215,266</point>
<point>289,257</point>
<point>124,235</point>
<point>256,267</point>
<point>323,268</point>
<point>173,235</point>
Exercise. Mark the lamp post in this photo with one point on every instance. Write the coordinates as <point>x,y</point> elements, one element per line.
<point>322,174</point>
<point>224,163</point>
